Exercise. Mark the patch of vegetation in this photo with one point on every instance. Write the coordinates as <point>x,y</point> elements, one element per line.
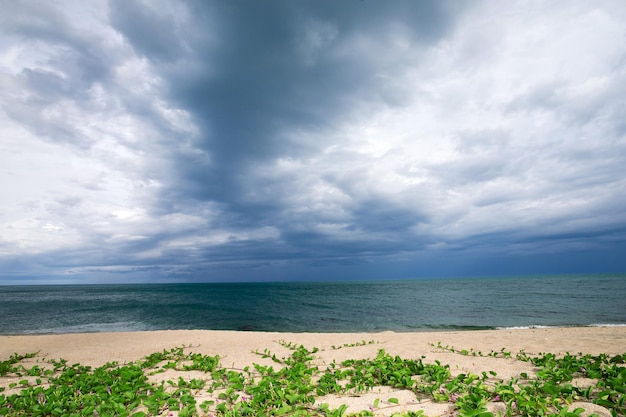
<point>292,388</point>
<point>11,365</point>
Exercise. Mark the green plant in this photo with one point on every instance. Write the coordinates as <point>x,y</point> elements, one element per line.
<point>290,390</point>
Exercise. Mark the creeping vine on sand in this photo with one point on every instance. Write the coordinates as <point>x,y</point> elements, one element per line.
<point>55,388</point>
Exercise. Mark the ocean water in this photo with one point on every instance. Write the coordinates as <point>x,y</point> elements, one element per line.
<point>415,305</point>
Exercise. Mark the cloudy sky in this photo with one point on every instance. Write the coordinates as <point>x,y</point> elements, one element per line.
<point>301,140</point>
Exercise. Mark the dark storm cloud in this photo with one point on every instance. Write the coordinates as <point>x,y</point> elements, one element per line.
<point>262,71</point>
<point>251,85</point>
<point>194,139</point>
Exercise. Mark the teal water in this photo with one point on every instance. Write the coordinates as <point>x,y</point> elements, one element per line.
<point>471,303</point>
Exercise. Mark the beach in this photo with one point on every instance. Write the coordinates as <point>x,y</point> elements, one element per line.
<point>238,347</point>
<point>237,350</point>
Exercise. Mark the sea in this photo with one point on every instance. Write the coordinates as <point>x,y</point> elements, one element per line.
<point>368,306</point>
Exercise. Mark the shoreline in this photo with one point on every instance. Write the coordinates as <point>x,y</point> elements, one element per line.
<point>459,329</point>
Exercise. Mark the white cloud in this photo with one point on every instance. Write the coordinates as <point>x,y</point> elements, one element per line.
<point>75,165</point>
<point>509,125</point>
<point>457,151</point>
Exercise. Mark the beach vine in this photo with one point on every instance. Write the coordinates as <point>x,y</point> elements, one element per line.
<point>294,385</point>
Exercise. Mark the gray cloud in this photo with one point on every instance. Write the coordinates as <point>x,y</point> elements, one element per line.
<point>210,140</point>
<point>251,87</point>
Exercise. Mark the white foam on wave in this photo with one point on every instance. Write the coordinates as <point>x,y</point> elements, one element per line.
<point>121,326</point>
<point>525,327</point>
<point>559,327</point>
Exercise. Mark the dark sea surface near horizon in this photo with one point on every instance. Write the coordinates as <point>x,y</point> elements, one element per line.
<point>411,305</point>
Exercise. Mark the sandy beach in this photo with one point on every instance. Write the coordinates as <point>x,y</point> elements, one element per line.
<point>240,349</point>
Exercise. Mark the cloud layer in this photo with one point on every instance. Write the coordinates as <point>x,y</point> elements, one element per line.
<point>301,140</point>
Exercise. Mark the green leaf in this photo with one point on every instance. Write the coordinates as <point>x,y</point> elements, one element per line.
<point>283,410</point>
<point>603,403</point>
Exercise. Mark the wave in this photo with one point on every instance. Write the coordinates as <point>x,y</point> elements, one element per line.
<point>448,327</point>
<point>557,327</point>
<point>122,326</point>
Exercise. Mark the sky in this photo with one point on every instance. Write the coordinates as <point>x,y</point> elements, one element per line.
<point>161,141</point>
